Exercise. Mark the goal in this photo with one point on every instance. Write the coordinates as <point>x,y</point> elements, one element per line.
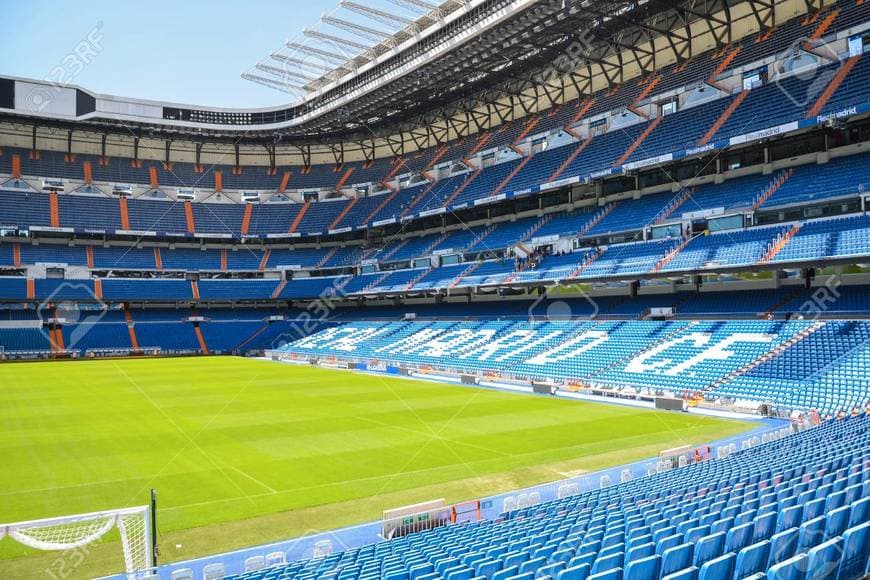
<point>71,534</point>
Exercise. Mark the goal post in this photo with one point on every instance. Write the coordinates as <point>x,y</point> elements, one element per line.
<point>135,527</point>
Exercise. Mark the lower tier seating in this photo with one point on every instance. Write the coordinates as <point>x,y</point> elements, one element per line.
<point>797,507</point>
<point>738,359</point>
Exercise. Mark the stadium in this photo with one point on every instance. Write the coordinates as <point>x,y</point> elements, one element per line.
<point>505,289</point>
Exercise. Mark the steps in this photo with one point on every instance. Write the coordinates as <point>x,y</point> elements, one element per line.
<point>480,239</point>
<point>637,142</point>
<point>280,288</point>
<point>511,175</point>
<point>131,329</point>
<point>265,259</point>
<point>773,187</point>
<point>203,347</point>
<point>125,213</point>
<point>396,168</point>
<point>417,278</point>
<point>598,217</point>
<point>591,259</point>
<point>327,257</point>
<point>89,256</point>
<point>778,244</point>
<point>581,112</point>
<point>341,182</point>
<point>530,233</point>
<point>481,143</point>
<point>773,353</point>
<point>250,339</point>
<point>529,127</point>
<point>16,255</point>
<point>56,340</point>
<point>335,223</point>
<point>54,210</point>
<point>31,289</point>
<point>398,247</point>
<point>188,216</point>
<point>794,294</point>
<point>723,66</point>
<point>832,87</point>
<point>462,187</point>
<point>672,206</point>
<point>224,260</point>
<point>387,199</point>
<point>671,255</point>
<point>285,179</point>
<point>726,114</point>
<point>648,88</point>
<point>431,247</point>
<point>574,154</point>
<point>825,24</point>
<point>467,272</point>
<point>375,283</point>
<point>194,289</point>
<point>246,219</point>
<point>158,259</point>
<point>16,166</point>
<point>439,154</point>
<point>298,219</point>
<point>420,197</point>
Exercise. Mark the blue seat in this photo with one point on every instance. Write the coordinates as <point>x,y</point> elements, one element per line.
<point>611,574</point>
<point>487,567</point>
<point>811,533</point>
<point>608,562</point>
<point>690,573</point>
<point>459,573</point>
<point>551,570</point>
<point>708,547</point>
<point>782,546</point>
<point>506,573</point>
<point>533,565</point>
<point>677,558</point>
<point>793,568</point>
<point>790,517</point>
<point>824,560</point>
<point>639,552</point>
<point>860,512</point>
<point>855,553</point>
<point>644,568</point>
<point>580,572</point>
<point>752,559</point>
<point>837,521</point>
<point>765,525</point>
<point>720,568</point>
<point>739,537</point>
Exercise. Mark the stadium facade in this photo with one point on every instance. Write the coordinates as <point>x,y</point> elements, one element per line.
<point>638,200</point>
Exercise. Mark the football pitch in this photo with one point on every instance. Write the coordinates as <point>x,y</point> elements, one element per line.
<point>243,452</point>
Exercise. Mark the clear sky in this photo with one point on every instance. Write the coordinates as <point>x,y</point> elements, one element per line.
<point>185,51</point>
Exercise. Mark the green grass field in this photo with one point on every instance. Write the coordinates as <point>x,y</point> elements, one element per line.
<point>244,452</point>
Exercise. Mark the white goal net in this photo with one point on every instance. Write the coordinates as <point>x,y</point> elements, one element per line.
<point>75,532</point>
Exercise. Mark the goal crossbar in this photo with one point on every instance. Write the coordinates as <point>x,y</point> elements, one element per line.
<point>76,531</point>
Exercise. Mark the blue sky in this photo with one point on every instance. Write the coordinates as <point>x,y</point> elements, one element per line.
<point>184,51</point>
